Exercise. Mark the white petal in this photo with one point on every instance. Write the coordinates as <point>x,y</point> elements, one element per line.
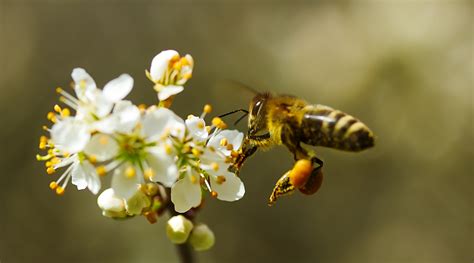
<point>102,146</point>
<point>83,82</point>
<point>231,190</point>
<point>233,137</point>
<point>70,135</point>
<point>186,194</point>
<point>197,128</point>
<point>163,167</point>
<point>169,91</point>
<point>128,116</point>
<point>79,177</point>
<point>118,88</point>
<point>158,121</point>
<point>160,63</point>
<point>99,104</point>
<point>107,125</point>
<point>108,201</point>
<point>123,185</point>
<point>84,175</point>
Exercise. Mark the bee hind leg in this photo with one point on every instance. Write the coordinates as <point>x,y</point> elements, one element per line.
<point>315,180</point>
<point>282,187</point>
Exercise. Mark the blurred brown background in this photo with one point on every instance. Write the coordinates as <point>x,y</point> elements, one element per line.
<point>404,67</point>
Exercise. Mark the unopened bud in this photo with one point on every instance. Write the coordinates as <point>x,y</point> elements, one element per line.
<point>178,229</point>
<point>202,238</point>
<point>111,205</point>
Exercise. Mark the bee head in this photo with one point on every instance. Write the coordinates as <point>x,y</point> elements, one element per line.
<point>257,121</point>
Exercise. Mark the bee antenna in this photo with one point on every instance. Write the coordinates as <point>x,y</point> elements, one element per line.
<point>241,118</point>
<point>232,112</point>
<point>246,112</point>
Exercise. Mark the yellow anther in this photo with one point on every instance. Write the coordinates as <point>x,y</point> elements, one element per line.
<point>219,123</point>
<point>189,116</point>
<point>223,142</point>
<point>39,157</point>
<point>43,138</point>
<point>214,194</point>
<point>57,108</point>
<point>186,148</point>
<point>177,65</point>
<point>55,160</point>
<point>148,173</point>
<point>230,147</point>
<point>101,170</point>
<point>42,145</point>
<point>59,90</point>
<point>60,190</point>
<point>185,61</point>
<point>168,149</point>
<point>215,166</point>
<point>130,172</point>
<point>92,159</point>
<point>234,154</point>
<point>44,127</point>
<point>207,108</point>
<point>194,179</point>
<point>65,112</point>
<point>104,139</point>
<point>220,179</point>
<point>82,83</point>
<point>187,75</point>
<point>208,129</point>
<point>53,185</point>
<point>142,107</point>
<point>200,125</point>
<point>196,152</point>
<point>50,115</point>
<point>48,164</point>
<point>50,170</point>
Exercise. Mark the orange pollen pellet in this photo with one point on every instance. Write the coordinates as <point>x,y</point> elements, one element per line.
<point>300,172</point>
<point>214,194</point>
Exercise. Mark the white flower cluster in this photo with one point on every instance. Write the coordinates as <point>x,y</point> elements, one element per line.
<point>148,151</point>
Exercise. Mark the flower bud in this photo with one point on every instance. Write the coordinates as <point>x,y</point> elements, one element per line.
<point>111,205</point>
<point>202,238</point>
<point>178,229</point>
<point>136,203</point>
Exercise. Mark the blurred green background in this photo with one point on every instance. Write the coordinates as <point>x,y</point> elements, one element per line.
<point>403,67</point>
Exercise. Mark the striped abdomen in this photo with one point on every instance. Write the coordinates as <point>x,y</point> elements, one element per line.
<point>324,126</point>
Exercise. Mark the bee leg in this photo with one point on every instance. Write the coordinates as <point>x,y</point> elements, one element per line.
<point>246,151</point>
<point>282,187</point>
<point>315,180</point>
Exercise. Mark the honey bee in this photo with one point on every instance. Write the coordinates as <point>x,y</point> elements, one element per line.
<point>292,122</point>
